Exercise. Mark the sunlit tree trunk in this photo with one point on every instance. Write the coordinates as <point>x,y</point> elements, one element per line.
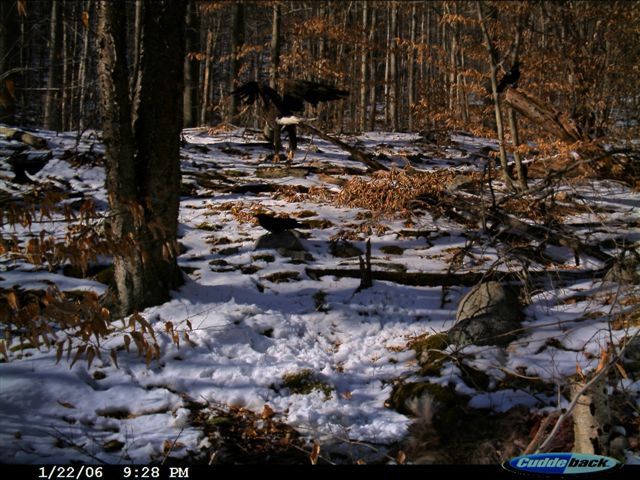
<point>493,70</point>
<point>143,162</point>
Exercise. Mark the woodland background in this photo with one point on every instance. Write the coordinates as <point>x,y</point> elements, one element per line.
<point>410,66</point>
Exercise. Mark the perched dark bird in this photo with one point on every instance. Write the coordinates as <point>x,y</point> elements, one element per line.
<point>279,111</point>
<point>276,224</point>
<point>510,78</point>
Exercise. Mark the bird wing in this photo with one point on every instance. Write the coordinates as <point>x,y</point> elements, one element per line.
<point>251,91</point>
<point>296,92</point>
<point>247,93</point>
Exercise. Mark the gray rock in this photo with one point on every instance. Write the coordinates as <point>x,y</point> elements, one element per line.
<point>274,241</point>
<point>344,249</point>
<point>487,315</point>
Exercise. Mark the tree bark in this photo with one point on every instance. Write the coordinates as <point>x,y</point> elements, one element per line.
<point>142,163</point>
<point>493,64</point>
<point>276,43</point>
<point>82,72</point>
<point>557,123</point>
<point>206,80</point>
<point>52,109</point>
<point>363,70</point>
<point>411,67</point>
<point>237,42</point>
<point>190,93</point>
<point>9,35</point>
<point>274,132</point>
<point>373,72</point>
<point>393,69</point>
<point>513,121</point>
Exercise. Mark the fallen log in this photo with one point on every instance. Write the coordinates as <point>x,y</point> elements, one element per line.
<point>541,113</point>
<point>445,279</point>
<point>24,137</point>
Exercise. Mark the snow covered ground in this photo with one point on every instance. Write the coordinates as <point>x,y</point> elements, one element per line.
<point>250,328</point>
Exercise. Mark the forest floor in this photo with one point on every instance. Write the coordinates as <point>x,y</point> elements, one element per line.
<point>280,357</point>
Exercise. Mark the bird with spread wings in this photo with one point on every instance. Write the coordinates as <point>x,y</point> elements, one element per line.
<point>279,111</point>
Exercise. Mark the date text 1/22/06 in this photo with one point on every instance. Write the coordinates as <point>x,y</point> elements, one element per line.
<point>85,472</point>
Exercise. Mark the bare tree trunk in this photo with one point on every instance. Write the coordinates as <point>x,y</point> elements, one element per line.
<point>66,71</point>
<point>137,40</point>
<point>273,132</point>
<point>513,121</point>
<point>363,69</point>
<point>393,68</point>
<point>204,108</point>
<point>493,64</point>
<point>142,165</point>
<point>463,101</point>
<point>237,42</point>
<point>82,72</point>
<point>52,111</point>
<point>373,73</point>
<point>190,93</point>
<point>9,38</point>
<point>276,42</point>
<point>411,67</point>
<point>387,70</point>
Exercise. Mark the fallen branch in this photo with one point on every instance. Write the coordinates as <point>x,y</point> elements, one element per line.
<point>356,153</point>
<point>467,279</point>
<point>24,137</point>
<point>578,394</point>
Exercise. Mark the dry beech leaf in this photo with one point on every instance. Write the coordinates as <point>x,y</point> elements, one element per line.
<point>604,359</point>
<point>267,412</point>
<point>622,371</point>
<point>12,299</point>
<point>315,453</point>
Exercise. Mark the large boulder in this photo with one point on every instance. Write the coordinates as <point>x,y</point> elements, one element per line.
<point>488,315</point>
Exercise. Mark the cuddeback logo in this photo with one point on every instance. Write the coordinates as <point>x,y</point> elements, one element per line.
<point>560,463</point>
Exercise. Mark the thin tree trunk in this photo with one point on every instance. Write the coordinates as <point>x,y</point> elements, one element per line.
<point>411,67</point>
<point>493,63</point>
<point>362,107</point>
<point>274,132</point>
<point>393,68</point>
<point>237,42</point>
<point>190,93</point>
<point>64,94</point>
<point>276,42</point>
<point>135,55</point>
<point>207,78</point>
<point>373,72</point>
<point>82,73</point>
<point>52,109</point>
<point>462,88</point>
<point>387,70</point>
<point>513,121</point>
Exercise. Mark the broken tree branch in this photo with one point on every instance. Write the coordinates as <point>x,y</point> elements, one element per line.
<point>356,153</point>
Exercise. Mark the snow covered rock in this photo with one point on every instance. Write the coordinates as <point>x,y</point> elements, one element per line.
<point>487,315</point>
